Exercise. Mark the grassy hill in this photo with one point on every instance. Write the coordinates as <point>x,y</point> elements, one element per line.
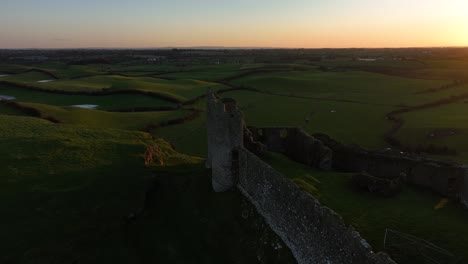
<point>66,190</point>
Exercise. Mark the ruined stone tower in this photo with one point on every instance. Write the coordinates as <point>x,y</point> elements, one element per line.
<point>225,125</point>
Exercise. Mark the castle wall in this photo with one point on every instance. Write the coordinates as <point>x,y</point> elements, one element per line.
<point>464,196</point>
<point>296,144</point>
<point>315,234</point>
<point>446,178</point>
<point>225,126</point>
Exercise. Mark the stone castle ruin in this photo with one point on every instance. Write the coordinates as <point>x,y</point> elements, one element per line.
<point>378,171</point>
<point>314,233</point>
<point>225,132</point>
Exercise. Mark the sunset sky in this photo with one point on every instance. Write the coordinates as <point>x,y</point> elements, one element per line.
<point>236,23</point>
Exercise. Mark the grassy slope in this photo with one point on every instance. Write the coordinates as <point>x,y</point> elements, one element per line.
<point>411,212</point>
<point>181,89</point>
<point>27,77</point>
<point>8,110</point>
<point>187,222</point>
<point>102,119</point>
<point>364,87</point>
<point>66,211</point>
<point>66,190</point>
<point>107,102</point>
<point>189,137</point>
<point>363,124</point>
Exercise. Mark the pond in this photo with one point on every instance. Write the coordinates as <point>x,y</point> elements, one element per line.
<point>86,106</point>
<point>6,97</point>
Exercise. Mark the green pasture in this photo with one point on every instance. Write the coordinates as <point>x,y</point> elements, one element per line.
<point>227,71</point>
<point>9,110</point>
<point>27,77</point>
<point>429,69</point>
<point>189,137</point>
<point>412,211</point>
<point>419,125</point>
<point>103,119</point>
<point>394,63</point>
<point>105,102</point>
<point>364,87</point>
<point>12,68</point>
<point>64,191</point>
<point>450,69</point>
<point>352,123</point>
<point>179,89</point>
<point>145,68</point>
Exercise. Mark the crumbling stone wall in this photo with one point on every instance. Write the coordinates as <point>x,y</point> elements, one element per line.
<point>315,234</point>
<point>464,194</point>
<point>296,144</point>
<point>446,178</point>
<point>387,187</point>
<point>225,126</point>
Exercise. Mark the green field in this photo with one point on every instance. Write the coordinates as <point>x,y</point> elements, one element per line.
<point>105,102</point>
<point>103,119</point>
<point>49,201</point>
<point>412,211</point>
<point>443,126</point>
<point>68,186</point>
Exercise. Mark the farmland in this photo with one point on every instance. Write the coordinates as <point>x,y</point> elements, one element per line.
<point>409,99</point>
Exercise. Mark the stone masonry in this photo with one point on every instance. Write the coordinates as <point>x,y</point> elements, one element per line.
<point>315,234</point>
<point>225,132</point>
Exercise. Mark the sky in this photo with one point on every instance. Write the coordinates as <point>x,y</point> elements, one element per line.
<point>234,23</point>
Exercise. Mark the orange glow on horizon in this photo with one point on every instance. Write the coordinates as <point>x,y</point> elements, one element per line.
<point>264,23</point>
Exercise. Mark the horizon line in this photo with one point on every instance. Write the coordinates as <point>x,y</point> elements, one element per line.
<point>230,48</point>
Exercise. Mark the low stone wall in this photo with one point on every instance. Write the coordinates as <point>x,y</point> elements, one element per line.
<point>315,234</point>
<point>446,178</point>
<point>296,144</point>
